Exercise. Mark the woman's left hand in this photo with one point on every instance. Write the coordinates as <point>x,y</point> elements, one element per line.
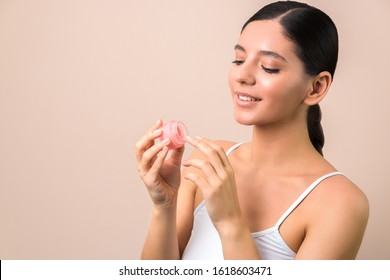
<point>217,183</point>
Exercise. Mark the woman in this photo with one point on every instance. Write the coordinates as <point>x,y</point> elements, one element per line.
<point>275,197</point>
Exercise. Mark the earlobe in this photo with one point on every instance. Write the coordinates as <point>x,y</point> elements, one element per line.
<point>319,88</point>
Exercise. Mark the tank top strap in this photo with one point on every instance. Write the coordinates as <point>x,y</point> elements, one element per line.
<point>232,148</point>
<point>304,195</point>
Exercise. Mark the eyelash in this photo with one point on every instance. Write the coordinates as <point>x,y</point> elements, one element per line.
<point>238,62</point>
<point>267,70</point>
<point>270,70</point>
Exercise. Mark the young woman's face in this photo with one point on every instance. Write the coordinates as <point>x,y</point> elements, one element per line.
<point>267,79</point>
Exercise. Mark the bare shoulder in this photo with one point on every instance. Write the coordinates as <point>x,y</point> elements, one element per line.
<point>342,194</point>
<point>337,218</point>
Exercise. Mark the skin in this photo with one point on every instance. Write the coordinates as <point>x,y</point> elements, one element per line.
<point>277,165</point>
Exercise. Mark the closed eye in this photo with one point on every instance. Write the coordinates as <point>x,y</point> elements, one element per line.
<point>270,70</point>
<point>238,62</point>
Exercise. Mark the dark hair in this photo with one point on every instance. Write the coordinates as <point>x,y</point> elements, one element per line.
<point>316,40</point>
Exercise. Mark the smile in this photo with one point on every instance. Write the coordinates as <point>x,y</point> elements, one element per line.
<point>243,96</point>
<point>247,98</point>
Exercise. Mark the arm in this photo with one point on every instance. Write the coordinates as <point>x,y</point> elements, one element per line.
<point>161,241</point>
<point>336,228</point>
<point>170,230</point>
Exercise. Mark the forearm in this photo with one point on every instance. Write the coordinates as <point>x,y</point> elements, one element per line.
<point>238,243</point>
<point>161,241</point>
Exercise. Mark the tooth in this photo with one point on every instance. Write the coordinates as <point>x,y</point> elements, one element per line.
<point>247,98</point>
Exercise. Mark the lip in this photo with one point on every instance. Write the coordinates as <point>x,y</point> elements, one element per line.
<point>243,103</point>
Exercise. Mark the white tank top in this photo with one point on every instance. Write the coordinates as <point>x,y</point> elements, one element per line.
<point>205,244</point>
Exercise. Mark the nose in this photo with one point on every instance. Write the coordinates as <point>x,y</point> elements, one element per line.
<point>245,74</point>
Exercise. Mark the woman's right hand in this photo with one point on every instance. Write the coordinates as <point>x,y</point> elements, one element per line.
<point>160,175</point>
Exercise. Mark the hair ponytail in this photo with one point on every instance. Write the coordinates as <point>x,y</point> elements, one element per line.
<point>314,127</point>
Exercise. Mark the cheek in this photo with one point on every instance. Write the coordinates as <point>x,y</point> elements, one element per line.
<point>273,88</point>
<point>269,85</point>
<point>283,87</point>
<point>230,78</point>
<point>282,97</point>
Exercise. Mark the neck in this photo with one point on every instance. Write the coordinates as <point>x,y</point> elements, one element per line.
<point>278,146</point>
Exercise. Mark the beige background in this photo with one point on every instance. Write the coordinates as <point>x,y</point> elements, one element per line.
<point>81,80</point>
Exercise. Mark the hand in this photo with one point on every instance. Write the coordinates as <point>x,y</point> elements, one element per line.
<point>217,183</point>
<point>160,175</point>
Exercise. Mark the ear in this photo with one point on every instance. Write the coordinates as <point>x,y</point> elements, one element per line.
<point>318,88</point>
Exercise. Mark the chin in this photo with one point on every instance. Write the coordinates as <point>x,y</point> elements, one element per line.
<point>244,120</point>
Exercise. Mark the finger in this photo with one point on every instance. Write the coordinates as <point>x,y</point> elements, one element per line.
<point>215,154</point>
<point>150,156</point>
<point>158,163</point>
<point>147,140</point>
<point>207,170</point>
<point>157,125</point>
<point>176,156</point>
<point>198,180</point>
<point>221,152</point>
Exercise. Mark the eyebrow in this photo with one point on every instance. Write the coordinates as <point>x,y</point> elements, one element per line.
<point>263,52</point>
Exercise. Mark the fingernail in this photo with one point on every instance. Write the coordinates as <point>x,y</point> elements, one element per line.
<point>165,141</point>
<point>157,131</point>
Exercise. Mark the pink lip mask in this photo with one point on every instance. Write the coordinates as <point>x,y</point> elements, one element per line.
<point>176,131</point>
